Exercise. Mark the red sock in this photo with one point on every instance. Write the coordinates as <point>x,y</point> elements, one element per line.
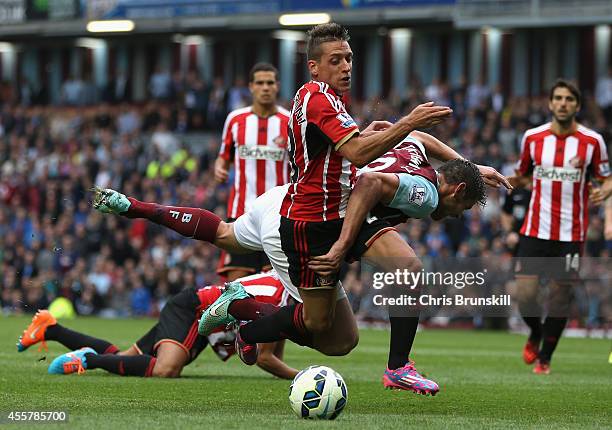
<point>251,309</point>
<point>195,223</point>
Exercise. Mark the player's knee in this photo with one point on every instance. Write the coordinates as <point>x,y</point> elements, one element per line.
<point>319,323</point>
<point>224,231</point>
<point>341,347</point>
<point>348,344</point>
<point>165,371</point>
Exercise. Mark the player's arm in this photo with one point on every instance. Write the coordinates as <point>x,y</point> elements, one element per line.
<point>221,169</point>
<point>371,188</point>
<point>608,220</point>
<point>598,195</point>
<point>523,173</point>
<point>361,150</point>
<point>223,161</point>
<point>506,218</point>
<point>442,152</point>
<point>270,359</point>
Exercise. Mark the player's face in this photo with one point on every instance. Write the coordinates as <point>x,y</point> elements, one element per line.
<point>335,65</point>
<point>264,88</point>
<point>563,105</point>
<point>451,207</point>
<point>452,203</point>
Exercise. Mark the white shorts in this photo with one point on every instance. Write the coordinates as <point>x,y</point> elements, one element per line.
<point>258,230</point>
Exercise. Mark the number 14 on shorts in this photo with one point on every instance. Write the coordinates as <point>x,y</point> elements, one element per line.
<point>572,262</point>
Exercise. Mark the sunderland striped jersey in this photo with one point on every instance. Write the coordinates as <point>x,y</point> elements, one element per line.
<point>320,177</point>
<point>265,287</point>
<point>258,147</point>
<point>562,167</point>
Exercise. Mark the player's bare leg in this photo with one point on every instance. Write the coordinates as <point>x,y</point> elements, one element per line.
<point>390,252</point>
<point>45,328</point>
<point>319,308</point>
<point>526,296</point>
<point>171,359</point>
<point>131,351</point>
<point>232,275</point>
<point>343,335</point>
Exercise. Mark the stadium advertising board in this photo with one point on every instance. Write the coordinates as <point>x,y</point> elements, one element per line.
<point>12,11</point>
<point>52,9</point>
<point>134,9</point>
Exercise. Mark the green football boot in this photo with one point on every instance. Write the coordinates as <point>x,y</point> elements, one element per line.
<point>110,201</point>
<point>217,314</point>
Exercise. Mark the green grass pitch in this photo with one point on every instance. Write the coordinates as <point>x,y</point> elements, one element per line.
<point>484,384</point>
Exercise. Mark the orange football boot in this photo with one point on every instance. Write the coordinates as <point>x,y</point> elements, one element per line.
<point>36,331</point>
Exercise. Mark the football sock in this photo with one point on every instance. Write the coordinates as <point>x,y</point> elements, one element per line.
<point>531,315</point>
<point>126,365</point>
<point>403,332</point>
<point>75,340</point>
<point>535,324</point>
<point>251,309</point>
<point>552,330</point>
<point>286,323</point>
<point>195,223</point>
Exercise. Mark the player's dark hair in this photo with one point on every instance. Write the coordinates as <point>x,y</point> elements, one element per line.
<point>561,83</point>
<point>457,171</point>
<point>322,33</point>
<point>262,67</point>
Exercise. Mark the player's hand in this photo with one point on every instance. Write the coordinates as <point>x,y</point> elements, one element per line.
<point>493,178</point>
<point>597,195</point>
<point>328,264</point>
<point>427,115</point>
<point>608,231</point>
<point>518,180</point>
<point>221,172</point>
<point>374,127</point>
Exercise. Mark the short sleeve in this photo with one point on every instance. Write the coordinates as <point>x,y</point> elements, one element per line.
<point>330,117</point>
<point>416,197</point>
<point>601,165</point>
<point>227,140</point>
<point>525,163</point>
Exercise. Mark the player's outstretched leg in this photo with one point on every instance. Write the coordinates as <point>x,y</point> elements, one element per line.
<point>390,252</point>
<point>87,359</point>
<point>45,328</point>
<point>71,362</point>
<point>110,201</point>
<point>218,313</point>
<point>35,332</point>
<point>234,304</point>
<point>195,223</point>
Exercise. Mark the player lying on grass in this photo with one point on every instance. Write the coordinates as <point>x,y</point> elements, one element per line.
<point>174,341</point>
<point>258,229</point>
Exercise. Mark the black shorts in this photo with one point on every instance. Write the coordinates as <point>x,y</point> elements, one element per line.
<point>301,240</point>
<point>551,259</point>
<point>253,262</point>
<point>178,324</point>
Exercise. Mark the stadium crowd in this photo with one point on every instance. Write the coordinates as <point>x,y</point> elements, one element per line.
<point>53,244</point>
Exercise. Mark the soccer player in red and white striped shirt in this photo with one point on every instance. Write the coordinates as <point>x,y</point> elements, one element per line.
<point>562,157</point>
<point>255,140</point>
<point>325,145</point>
<point>173,342</point>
